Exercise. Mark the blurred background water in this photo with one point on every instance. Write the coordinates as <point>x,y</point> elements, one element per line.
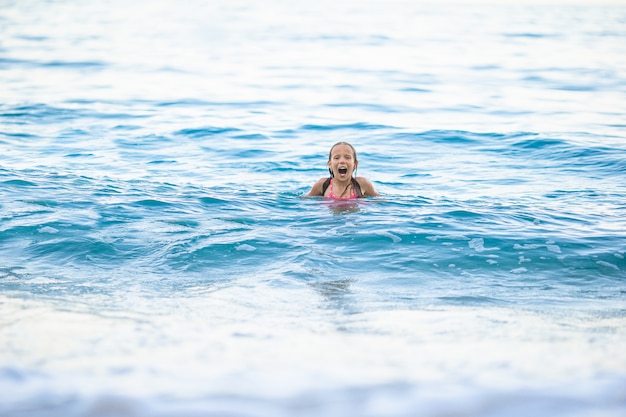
<point>158,256</point>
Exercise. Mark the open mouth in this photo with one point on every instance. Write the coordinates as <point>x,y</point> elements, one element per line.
<point>343,171</point>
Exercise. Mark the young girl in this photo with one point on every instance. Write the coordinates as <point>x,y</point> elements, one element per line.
<point>341,185</point>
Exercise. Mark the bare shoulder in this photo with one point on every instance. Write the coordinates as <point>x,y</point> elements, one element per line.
<point>366,186</point>
<point>318,188</point>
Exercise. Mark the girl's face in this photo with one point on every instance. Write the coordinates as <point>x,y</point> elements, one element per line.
<point>342,162</point>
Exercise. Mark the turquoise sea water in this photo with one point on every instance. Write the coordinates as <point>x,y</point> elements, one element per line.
<point>158,256</point>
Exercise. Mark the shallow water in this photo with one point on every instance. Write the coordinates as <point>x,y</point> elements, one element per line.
<point>158,256</point>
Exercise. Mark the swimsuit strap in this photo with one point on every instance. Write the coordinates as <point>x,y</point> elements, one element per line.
<point>326,184</point>
<point>355,184</point>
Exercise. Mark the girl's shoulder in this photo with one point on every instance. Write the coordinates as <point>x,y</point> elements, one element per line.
<point>366,186</point>
<point>363,181</point>
<point>319,187</point>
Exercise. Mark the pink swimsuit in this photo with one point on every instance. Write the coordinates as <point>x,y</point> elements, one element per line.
<point>331,194</point>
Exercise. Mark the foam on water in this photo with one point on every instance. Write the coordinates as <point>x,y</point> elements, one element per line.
<point>158,257</point>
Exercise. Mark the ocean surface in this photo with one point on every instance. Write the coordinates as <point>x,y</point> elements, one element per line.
<point>158,256</point>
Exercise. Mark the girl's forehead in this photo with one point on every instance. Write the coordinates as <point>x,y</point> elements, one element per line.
<point>342,149</point>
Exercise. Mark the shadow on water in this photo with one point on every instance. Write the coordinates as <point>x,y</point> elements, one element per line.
<point>339,299</point>
<point>335,294</point>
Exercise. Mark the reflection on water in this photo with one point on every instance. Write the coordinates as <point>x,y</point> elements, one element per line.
<point>343,206</point>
